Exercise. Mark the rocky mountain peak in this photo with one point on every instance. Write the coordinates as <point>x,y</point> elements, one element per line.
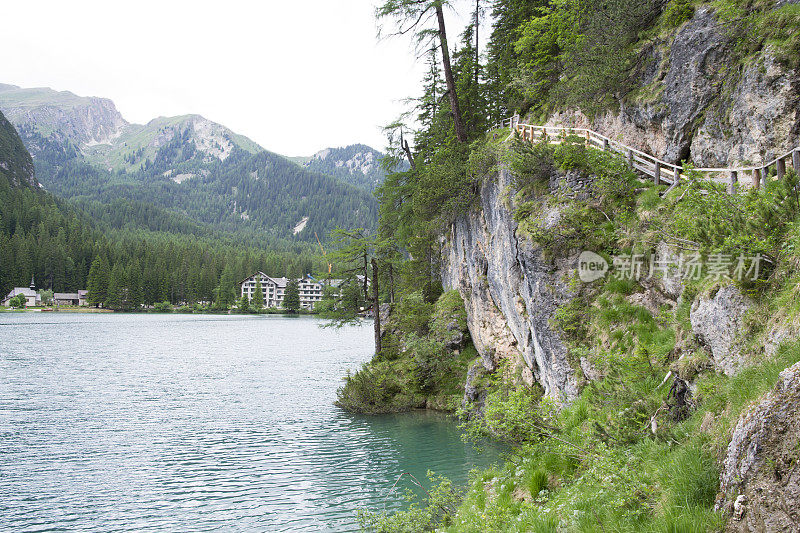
<point>356,164</point>
<point>61,122</point>
<point>83,121</point>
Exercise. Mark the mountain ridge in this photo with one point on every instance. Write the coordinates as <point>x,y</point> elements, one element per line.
<point>356,164</point>
<point>83,148</point>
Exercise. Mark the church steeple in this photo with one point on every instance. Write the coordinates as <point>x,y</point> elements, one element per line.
<point>33,285</point>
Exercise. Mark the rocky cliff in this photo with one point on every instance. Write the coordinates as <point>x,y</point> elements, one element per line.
<point>761,479</point>
<point>511,292</point>
<point>83,121</point>
<point>698,102</point>
<point>357,164</point>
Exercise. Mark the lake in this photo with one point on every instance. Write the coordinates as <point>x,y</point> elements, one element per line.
<point>199,422</point>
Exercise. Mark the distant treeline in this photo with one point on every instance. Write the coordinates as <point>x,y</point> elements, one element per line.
<point>56,244</point>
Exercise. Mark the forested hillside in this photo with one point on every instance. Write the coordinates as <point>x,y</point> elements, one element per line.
<point>189,166</point>
<point>628,400</point>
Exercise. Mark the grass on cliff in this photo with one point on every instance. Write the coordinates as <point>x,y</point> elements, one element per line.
<point>415,369</point>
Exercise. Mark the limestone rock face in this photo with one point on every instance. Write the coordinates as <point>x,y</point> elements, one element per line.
<point>700,110</point>
<point>716,320</point>
<point>760,480</point>
<point>83,121</point>
<point>511,292</point>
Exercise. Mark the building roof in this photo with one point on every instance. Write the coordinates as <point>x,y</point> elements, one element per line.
<point>66,296</point>
<point>21,290</point>
<point>252,276</point>
<point>280,282</point>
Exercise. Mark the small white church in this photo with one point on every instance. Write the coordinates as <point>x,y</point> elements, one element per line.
<point>32,298</point>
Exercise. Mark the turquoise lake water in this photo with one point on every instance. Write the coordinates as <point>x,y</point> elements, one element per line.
<point>112,422</point>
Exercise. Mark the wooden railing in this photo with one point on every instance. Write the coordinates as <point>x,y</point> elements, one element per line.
<point>658,170</point>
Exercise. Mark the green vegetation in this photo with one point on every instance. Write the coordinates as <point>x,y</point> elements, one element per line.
<point>634,452</point>
<point>291,298</point>
<point>44,238</point>
<point>260,197</point>
<point>17,301</point>
<point>180,174</point>
<point>17,163</point>
<point>637,450</point>
<point>132,253</point>
<point>423,362</point>
<point>258,295</point>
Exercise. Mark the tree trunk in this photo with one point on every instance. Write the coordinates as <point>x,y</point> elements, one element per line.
<point>366,277</point>
<point>391,284</point>
<point>376,306</point>
<point>477,54</point>
<point>407,149</point>
<point>461,134</point>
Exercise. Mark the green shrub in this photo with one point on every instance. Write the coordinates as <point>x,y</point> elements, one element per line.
<point>512,414</point>
<point>431,362</point>
<point>162,307</point>
<point>436,511</point>
<point>413,314</point>
<point>531,165</point>
<point>678,12</point>
<point>371,390</point>
<point>17,301</point>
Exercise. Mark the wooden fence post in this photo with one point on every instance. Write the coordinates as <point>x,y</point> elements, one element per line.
<point>781,168</point>
<point>630,158</point>
<point>756,178</point>
<point>733,184</point>
<point>605,145</point>
<point>657,176</point>
<point>764,174</point>
<point>796,161</point>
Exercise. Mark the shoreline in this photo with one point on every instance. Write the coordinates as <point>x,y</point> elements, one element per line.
<point>93,310</point>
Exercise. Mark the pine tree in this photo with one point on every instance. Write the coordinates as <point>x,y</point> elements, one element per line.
<point>117,290</point>
<point>243,305</point>
<point>135,296</point>
<point>291,298</point>
<point>258,295</point>
<point>225,293</point>
<point>97,282</point>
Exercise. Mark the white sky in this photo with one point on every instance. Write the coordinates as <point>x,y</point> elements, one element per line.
<point>295,76</point>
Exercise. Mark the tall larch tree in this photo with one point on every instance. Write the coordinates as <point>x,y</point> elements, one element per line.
<point>425,20</point>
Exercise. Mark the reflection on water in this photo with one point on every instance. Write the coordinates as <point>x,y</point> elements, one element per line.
<point>194,423</point>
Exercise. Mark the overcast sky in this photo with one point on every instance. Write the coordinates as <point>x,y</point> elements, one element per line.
<point>295,76</point>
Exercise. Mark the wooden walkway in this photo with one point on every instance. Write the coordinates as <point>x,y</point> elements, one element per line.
<point>656,169</point>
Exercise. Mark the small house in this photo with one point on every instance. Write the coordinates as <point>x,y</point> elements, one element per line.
<point>32,298</point>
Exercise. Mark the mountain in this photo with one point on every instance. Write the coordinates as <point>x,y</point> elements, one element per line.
<point>357,164</point>
<point>84,150</point>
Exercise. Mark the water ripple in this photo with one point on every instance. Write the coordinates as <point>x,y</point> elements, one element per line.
<point>164,423</point>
